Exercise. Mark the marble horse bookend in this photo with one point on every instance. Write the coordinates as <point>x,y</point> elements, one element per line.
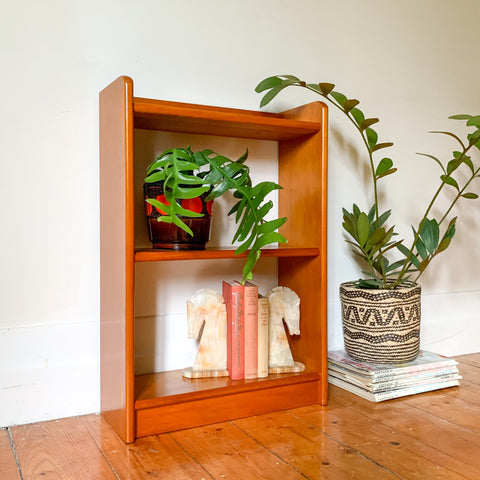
<point>284,305</point>
<point>206,308</point>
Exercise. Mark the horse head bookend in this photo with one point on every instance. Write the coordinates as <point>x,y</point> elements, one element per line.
<point>206,308</point>
<point>284,305</point>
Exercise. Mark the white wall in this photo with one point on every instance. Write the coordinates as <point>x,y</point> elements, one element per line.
<point>411,63</point>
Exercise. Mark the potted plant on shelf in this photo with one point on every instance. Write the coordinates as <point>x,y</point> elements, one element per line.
<point>179,188</point>
<point>381,311</point>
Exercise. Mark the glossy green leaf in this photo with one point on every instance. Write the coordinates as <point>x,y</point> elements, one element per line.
<point>407,254</point>
<point>444,244</point>
<point>474,137</point>
<point>340,98</point>
<point>421,249</point>
<point>358,115</point>
<point>270,95</point>
<point>372,137</point>
<point>326,88</point>
<point>474,121</point>
<point>450,232</point>
<point>378,146</point>
<point>349,104</point>
<point>268,239</point>
<point>271,225</point>
<point>470,195</point>
<point>384,165</point>
<point>460,117</point>
<point>363,227</point>
<point>368,122</point>
<point>268,83</point>
<point>430,235</point>
<point>452,165</point>
<point>450,181</point>
<point>384,217</point>
<point>388,172</point>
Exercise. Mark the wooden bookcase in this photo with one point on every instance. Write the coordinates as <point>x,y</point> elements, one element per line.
<point>144,405</point>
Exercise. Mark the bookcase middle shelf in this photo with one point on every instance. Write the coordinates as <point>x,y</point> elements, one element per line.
<point>154,255</point>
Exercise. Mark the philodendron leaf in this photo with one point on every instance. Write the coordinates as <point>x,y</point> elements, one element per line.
<point>384,165</point>
<point>271,225</point>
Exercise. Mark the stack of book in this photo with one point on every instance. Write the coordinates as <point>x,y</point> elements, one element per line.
<point>247,331</point>
<point>377,382</point>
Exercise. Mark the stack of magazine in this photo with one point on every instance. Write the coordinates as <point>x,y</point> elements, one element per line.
<point>377,382</point>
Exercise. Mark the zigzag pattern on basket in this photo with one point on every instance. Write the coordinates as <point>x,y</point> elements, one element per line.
<point>373,316</point>
<point>377,339</point>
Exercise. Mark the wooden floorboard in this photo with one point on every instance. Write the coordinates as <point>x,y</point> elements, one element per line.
<point>8,465</point>
<point>434,436</point>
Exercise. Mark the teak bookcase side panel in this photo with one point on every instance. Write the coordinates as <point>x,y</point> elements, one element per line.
<point>117,257</point>
<point>156,407</point>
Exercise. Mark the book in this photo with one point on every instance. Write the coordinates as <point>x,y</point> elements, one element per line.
<point>234,303</point>
<point>424,361</point>
<point>395,383</point>
<point>263,320</point>
<point>394,393</point>
<point>250,297</point>
<point>369,381</point>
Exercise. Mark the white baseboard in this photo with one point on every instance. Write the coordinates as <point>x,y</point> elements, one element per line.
<point>48,371</point>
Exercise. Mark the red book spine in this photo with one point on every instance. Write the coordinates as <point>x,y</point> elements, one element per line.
<point>234,303</point>
<point>251,329</point>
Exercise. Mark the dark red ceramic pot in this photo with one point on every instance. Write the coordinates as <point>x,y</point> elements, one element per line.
<point>168,235</point>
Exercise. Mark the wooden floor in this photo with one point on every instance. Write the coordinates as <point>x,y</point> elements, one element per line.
<point>428,436</point>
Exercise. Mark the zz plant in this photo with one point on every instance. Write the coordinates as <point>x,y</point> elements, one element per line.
<point>370,237</point>
<point>186,174</point>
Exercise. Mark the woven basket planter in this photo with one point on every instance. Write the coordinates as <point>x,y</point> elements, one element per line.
<point>381,326</point>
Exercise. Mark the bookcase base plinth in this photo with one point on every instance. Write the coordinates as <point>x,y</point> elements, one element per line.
<point>230,406</point>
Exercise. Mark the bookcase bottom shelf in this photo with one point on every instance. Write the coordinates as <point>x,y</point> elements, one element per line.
<point>167,402</point>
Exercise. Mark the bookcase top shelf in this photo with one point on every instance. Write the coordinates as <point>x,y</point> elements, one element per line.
<point>201,119</point>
